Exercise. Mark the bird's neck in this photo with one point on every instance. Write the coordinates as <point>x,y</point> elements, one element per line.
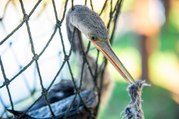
<point>74,37</point>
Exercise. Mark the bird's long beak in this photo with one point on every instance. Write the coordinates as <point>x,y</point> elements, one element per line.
<point>105,48</point>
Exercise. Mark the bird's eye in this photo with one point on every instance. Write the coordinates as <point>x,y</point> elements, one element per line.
<point>93,38</point>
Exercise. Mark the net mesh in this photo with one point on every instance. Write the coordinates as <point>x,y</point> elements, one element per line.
<point>35,52</point>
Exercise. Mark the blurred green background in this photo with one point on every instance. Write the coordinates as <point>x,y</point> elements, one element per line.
<point>147,42</point>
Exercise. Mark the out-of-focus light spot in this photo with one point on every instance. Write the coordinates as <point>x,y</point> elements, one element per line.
<point>174,14</point>
<point>156,12</point>
<point>148,17</point>
<point>165,71</point>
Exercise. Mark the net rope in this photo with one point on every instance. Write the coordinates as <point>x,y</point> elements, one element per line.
<point>9,38</point>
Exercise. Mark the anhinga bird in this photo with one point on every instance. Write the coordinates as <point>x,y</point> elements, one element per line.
<point>79,20</point>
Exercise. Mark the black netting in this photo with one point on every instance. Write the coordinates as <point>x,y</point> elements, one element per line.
<point>36,57</point>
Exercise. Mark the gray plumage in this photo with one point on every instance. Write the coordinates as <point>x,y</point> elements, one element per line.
<point>87,21</point>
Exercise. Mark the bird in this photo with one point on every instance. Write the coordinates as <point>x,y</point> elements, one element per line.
<point>65,88</point>
<point>81,20</point>
<point>91,25</point>
<point>74,36</point>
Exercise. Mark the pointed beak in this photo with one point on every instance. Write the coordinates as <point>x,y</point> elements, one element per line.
<point>105,48</point>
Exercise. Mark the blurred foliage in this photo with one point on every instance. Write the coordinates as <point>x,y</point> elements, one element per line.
<point>169,38</point>
<point>159,101</point>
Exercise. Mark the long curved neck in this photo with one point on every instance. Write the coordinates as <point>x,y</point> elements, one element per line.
<point>74,37</point>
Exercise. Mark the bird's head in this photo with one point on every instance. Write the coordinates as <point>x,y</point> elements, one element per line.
<point>92,26</point>
<point>89,23</point>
